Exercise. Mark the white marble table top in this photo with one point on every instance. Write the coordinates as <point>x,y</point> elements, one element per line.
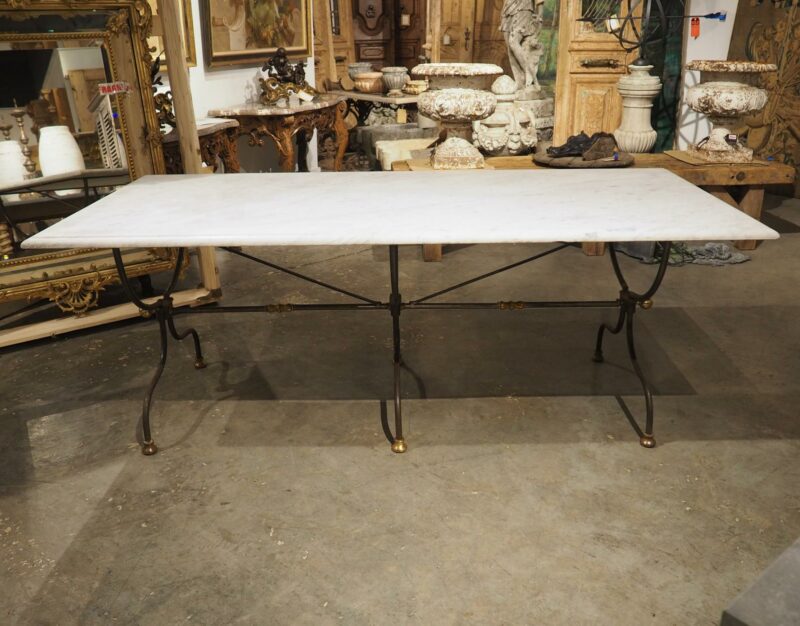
<point>98,177</point>
<point>474,206</point>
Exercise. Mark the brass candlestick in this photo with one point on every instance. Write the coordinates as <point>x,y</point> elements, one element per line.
<point>6,130</point>
<point>19,113</point>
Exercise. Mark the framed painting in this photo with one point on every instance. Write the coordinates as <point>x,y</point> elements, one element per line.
<point>238,32</point>
<point>187,32</point>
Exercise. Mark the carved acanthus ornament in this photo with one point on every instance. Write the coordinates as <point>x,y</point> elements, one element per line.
<point>119,23</point>
<point>775,131</point>
<point>78,296</point>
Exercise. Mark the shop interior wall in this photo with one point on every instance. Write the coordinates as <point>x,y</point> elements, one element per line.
<point>227,86</point>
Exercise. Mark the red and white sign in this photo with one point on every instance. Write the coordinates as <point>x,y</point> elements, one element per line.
<point>109,89</point>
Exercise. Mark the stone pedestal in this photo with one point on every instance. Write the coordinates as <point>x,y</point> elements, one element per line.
<point>638,89</point>
<point>542,112</point>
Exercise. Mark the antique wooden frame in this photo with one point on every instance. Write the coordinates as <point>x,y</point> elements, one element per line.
<point>187,30</point>
<point>75,277</point>
<point>251,56</point>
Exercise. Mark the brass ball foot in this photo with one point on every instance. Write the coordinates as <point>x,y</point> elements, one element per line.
<point>149,448</point>
<point>648,441</point>
<point>199,364</point>
<point>598,357</point>
<point>399,446</point>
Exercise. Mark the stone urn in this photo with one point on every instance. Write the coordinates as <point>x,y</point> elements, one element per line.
<point>369,82</point>
<point>395,79</point>
<point>638,89</point>
<point>458,94</point>
<point>354,69</point>
<point>511,129</point>
<point>728,92</point>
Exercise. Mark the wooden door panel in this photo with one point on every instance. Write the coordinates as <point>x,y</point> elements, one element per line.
<point>598,106</point>
<point>490,45</point>
<point>590,63</point>
<point>458,23</point>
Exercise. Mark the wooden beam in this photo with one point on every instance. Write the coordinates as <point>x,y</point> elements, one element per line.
<point>106,315</point>
<point>331,74</point>
<point>186,128</point>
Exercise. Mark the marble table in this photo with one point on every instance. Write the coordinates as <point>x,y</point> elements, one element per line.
<point>386,208</point>
<point>742,185</point>
<point>362,104</point>
<point>283,123</point>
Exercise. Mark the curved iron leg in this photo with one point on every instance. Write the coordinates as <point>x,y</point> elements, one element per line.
<point>646,438</point>
<point>628,301</point>
<point>598,348</point>
<point>148,445</point>
<point>199,363</point>
<point>395,300</point>
<point>162,310</point>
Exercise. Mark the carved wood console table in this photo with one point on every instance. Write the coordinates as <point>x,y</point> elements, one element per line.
<point>282,124</point>
<point>362,104</point>
<point>217,145</point>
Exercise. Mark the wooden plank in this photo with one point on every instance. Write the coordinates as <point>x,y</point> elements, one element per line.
<point>106,315</point>
<point>701,175</point>
<point>83,84</point>
<point>432,252</point>
<point>184,116</point>
<point>752,204</point>
<point>596,248</point>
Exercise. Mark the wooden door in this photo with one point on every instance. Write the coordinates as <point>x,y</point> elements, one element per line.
<point>590,62</point>
<point>334,46</point>
<point>457,31</point>
<point>490,45</point>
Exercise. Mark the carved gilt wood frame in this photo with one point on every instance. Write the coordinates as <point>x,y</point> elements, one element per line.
<point>73,278</point>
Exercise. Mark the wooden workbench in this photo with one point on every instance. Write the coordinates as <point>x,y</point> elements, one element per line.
<point>741,185</point>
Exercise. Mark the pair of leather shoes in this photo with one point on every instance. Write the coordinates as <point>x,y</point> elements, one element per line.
<point>594,147</point>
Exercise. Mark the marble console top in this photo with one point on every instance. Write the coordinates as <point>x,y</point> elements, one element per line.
<point>376,97</point>
<point>473,206</point>
<point>205,126</point>
<point>323,101</point>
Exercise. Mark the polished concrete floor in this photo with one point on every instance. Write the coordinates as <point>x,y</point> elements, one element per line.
<point>524,497</point>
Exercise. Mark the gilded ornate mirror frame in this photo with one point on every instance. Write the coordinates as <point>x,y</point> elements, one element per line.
<point>79,275</point>
<point>125,38</point>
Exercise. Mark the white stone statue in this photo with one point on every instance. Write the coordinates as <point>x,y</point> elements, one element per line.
<point>521,23</point>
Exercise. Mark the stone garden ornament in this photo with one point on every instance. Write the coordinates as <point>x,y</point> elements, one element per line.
<point>511,129</point>
<point>458,95</point>
<point>521,24</point>
<point>726,95</point>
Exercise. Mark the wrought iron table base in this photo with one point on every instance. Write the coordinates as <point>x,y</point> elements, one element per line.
<point>627,303</point>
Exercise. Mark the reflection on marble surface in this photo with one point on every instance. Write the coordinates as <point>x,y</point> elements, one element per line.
<point>322,101</point>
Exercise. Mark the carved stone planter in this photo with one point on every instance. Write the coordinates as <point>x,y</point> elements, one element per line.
<point>511,129</point>
<point>457,96</point>
<point>637,89</point>
<point>725,102</point>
